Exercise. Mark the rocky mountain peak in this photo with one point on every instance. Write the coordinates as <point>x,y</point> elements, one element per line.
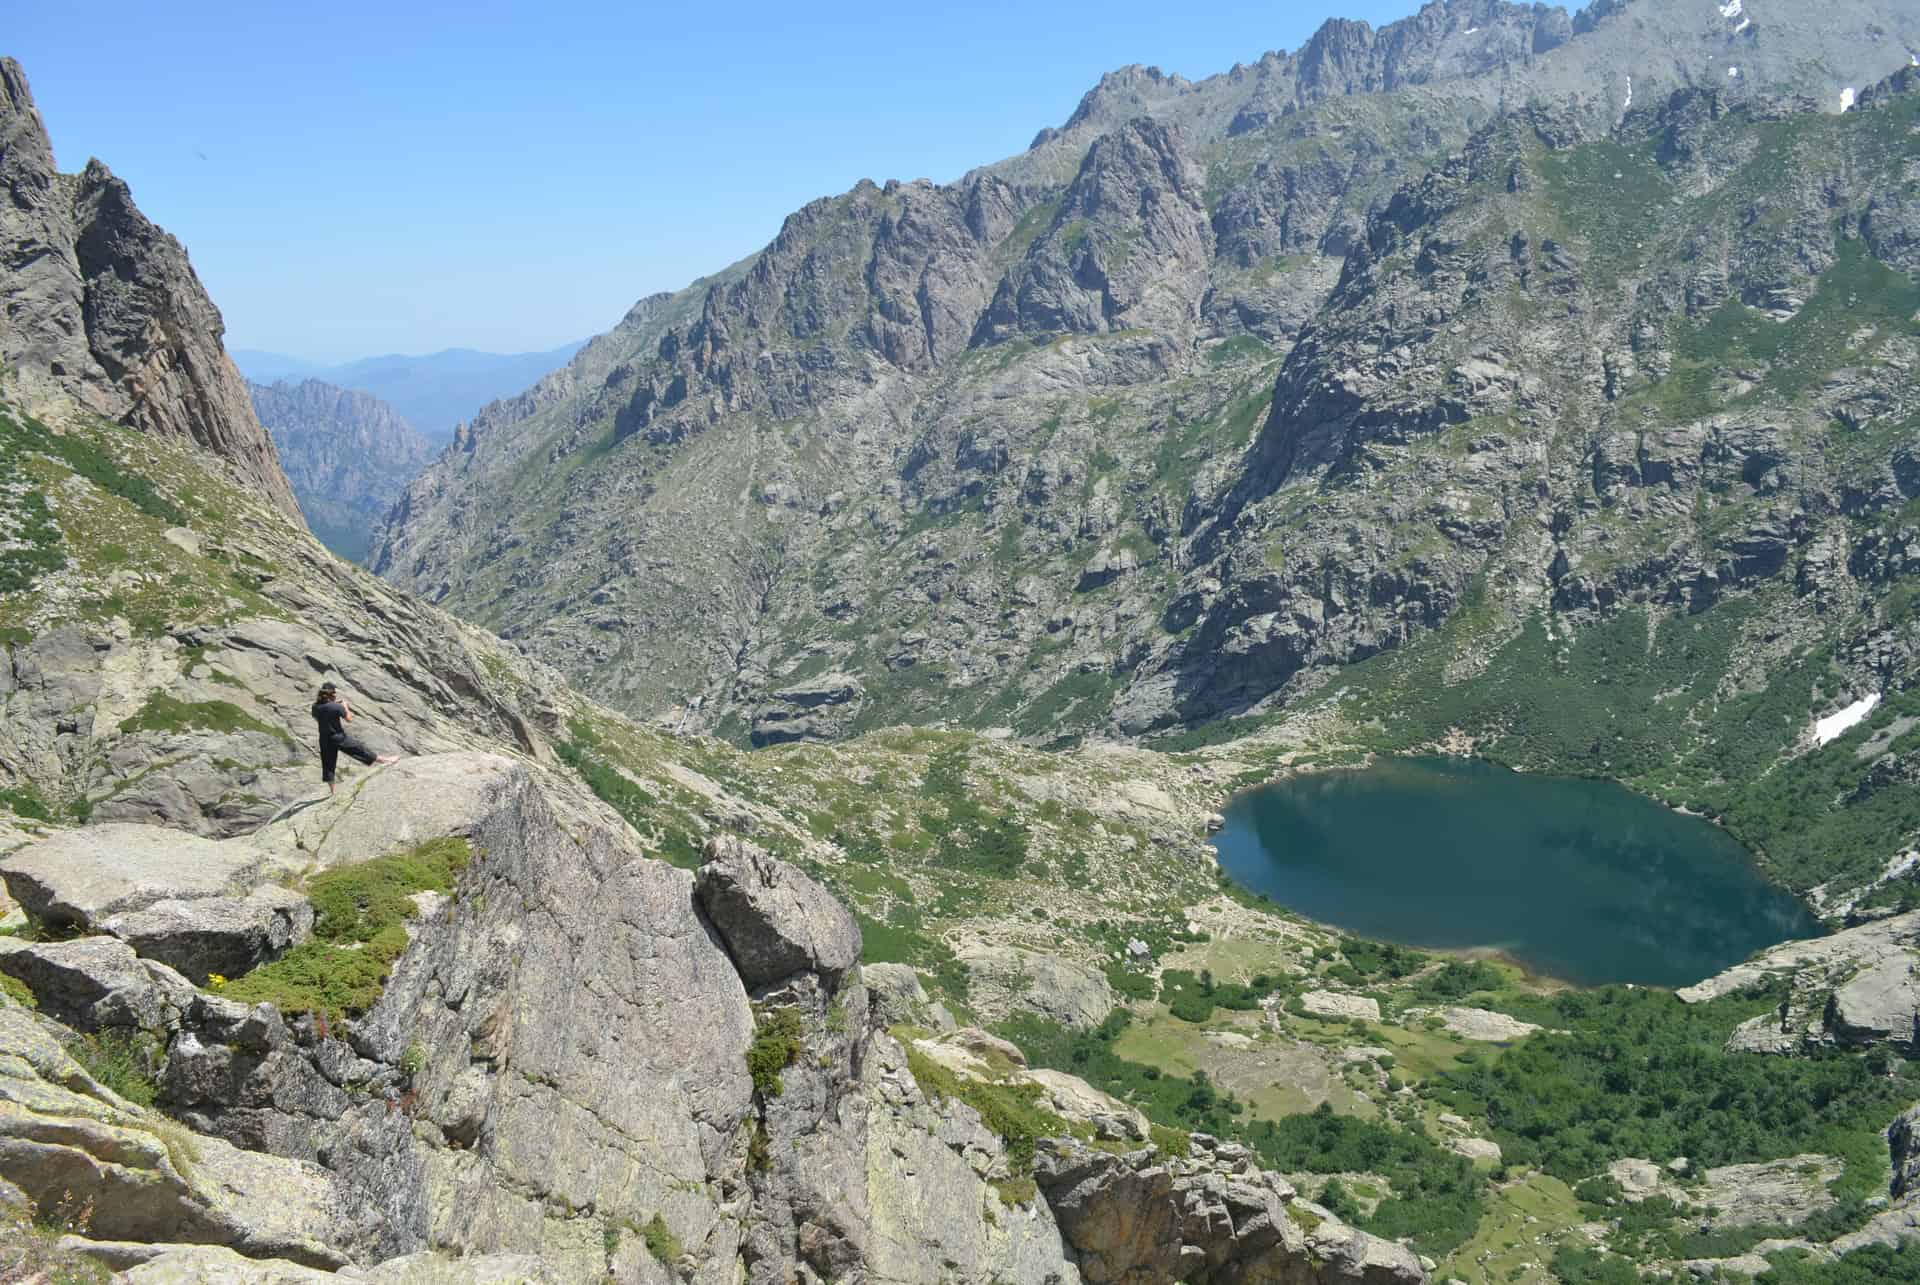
<point>103,307</point>
<point>1124,92</point>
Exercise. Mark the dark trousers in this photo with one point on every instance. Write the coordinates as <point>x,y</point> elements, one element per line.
<point>330,755</point>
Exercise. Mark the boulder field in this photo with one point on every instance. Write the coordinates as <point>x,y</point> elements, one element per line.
<point>584,1061</point>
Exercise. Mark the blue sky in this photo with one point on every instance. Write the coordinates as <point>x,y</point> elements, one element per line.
<point>360,178</point>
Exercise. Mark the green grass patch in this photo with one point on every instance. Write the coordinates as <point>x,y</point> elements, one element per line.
<point>359,930</point>
<point>164,713</point>
<point>124,1061</point>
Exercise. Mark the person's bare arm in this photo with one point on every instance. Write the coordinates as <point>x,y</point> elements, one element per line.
<point>346,712</point>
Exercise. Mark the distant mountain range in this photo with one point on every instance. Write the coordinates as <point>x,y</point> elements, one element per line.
<point>433,392</point>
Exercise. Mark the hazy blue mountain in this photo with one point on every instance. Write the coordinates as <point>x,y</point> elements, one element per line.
<point>264,367</point>
<point>434,391</point>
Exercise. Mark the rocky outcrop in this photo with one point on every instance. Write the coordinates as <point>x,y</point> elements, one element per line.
<point>347,454</point>
<point>80,1153</point>
<point>559,1068</point>
<point>79,879</point>
<point>819,709</point>
<point>774,921</point>
<point>92,983</point>
<point>1854,988</point>
<point>102,307</point>
<point>1212,1216</point>
<point>216,936</point>
<point>896,997</point>
<point>1006,979</point>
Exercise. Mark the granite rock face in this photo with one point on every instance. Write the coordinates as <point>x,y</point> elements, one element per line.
<point>102,307</point>
<point>1854,989</point>
<point>774,921</point>
<point>68,1143</point>
<point>1214,1216</point>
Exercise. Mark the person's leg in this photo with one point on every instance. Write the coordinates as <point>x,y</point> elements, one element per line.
<point>329,760</point>
<point>357,749</point>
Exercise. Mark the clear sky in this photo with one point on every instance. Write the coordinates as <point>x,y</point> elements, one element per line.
<point>357,178</point>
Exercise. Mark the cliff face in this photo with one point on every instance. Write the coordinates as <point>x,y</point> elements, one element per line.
<point>103,307</point>
<point>347,454</point>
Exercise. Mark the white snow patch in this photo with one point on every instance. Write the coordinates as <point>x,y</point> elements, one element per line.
<point>1833,726</point>
<point>1734,72</point>
<point>1731,9</point>
<point>1846,98</point>
<point>1629,102</point>
<point>1470,30</point>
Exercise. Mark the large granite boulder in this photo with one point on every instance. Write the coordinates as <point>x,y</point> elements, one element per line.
<point>896,997</point>
<point>389,810</point>
<point>228,936</point>
<point>1005,979</point>
<point>76,878</point>
<point>775,920</point>
<point>93,983</point>
<point>1209,1217</point>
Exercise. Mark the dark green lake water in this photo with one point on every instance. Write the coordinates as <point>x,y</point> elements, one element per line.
<point>1581,880</point>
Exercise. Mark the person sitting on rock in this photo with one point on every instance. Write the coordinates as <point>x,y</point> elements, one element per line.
<point>332,714</point>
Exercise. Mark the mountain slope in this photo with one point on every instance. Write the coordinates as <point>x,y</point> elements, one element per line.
<point>348,456</point>
<point>468,1020</point>
<point>948,441</point>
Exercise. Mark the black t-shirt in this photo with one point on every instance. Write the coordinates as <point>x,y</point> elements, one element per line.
<point>329,715</point>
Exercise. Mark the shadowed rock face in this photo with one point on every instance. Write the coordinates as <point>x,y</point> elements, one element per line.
<point>100,305</point>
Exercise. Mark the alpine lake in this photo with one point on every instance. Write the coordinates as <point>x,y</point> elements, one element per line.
<point>1580,880</point>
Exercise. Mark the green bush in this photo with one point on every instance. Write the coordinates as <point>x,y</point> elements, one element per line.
<point>776,1046</point>
<point>1873,1265</point>
<point>1458,979</point>
<point>660,1240</point>
<point>1642,1074</point>
<point>1193,999</point>
<point>27,801</point>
